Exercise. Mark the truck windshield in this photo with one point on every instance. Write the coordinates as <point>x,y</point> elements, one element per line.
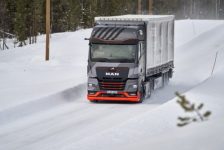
<point>113,53</point>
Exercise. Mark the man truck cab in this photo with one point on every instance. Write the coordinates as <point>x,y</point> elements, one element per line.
<point>126,55</point>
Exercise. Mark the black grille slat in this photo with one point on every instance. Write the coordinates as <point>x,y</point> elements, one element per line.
<point>117,34</point>
<point>108,85</point>
<point>112,95</point>
<point>106,33</point>
<point>96,31</point>
<point>114,79</point>
<point>101,32</point>
<point>112,33</point>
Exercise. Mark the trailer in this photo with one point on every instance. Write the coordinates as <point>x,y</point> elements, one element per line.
<point>127,54</point>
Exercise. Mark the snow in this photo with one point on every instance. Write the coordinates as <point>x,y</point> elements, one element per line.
<point>136,17</point>
<point>25,73</point>
<point>43,104</point>
<point>190,29</point>
<point>208,135</point>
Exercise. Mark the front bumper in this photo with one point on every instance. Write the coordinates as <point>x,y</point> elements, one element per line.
<point>120,96</point>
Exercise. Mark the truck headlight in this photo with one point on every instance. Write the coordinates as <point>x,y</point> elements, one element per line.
<point>90,85</point>
<point>131,85</point>
<point>134,86</point>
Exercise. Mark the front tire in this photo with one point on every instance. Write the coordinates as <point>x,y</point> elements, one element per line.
<point>142,93</point>
<point>94,101</point>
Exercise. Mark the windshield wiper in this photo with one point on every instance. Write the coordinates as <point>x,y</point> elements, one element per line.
<point>101,59</point>
<point>126,60</point>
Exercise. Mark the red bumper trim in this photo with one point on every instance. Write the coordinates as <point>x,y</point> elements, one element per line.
<point>126,97</point>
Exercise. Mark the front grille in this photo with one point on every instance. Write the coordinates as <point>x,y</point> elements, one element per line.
<point>115,79</point>
<point>112,95</point>
<point>106,85</point>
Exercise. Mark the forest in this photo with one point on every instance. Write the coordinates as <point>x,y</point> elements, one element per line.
<point>25,19</point>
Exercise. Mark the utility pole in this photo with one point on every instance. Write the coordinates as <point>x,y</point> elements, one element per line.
<point>150,7</point>
<point>48,6</point>
<point>139,7</point>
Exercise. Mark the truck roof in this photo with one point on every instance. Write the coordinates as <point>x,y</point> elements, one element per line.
<point>136,18</point>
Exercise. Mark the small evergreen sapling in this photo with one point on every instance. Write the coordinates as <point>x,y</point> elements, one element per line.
<point>189,107</point>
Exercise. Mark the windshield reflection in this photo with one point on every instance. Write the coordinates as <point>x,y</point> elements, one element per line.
<point>113,53</point>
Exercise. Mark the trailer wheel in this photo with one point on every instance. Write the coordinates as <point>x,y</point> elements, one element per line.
<point>170,73</point>
<point>152,86</point>
<point>165,78</point>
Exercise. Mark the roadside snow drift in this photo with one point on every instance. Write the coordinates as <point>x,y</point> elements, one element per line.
<point>43,105</point>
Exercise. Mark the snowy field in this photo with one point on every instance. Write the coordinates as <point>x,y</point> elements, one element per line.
<point>43,105</point>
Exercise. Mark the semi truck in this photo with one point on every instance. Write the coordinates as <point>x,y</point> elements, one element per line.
<point>127,55</point>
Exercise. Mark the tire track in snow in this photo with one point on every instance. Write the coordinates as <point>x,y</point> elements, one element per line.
<point>43,104</point>
<point>86,119</point>
<point>72,126</point>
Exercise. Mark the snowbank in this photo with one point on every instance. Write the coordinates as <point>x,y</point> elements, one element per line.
<point>43,104</point>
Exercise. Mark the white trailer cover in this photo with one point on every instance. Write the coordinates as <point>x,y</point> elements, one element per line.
<point>160,41</point>
<point>159,36</point>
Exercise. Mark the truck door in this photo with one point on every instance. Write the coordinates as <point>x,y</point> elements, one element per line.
<point>141,58</point>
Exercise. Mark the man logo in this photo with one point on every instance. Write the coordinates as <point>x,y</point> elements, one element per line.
<point>112,74</point>
<point>112,69</point>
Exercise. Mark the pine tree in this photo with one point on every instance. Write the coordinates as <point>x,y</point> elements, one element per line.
<point>73,15</point>
<point>9,17</point>
<point>20,21</point>
<point>26,18</point>
<point>191,108</point>
<point>86,14</point>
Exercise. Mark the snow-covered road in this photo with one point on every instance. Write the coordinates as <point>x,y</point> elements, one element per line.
<point>43,105</point>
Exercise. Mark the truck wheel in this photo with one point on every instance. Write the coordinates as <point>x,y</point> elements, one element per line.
<point>94,101</point>
<point>142,93</point>
<point>149,88</point>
